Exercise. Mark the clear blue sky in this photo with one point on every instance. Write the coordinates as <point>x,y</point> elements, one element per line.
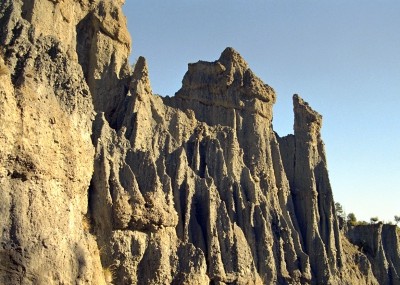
<point>343,57</point>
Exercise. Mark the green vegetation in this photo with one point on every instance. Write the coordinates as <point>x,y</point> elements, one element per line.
<point>351,219</point>
<point>374,220</point>
<point>339,211</point>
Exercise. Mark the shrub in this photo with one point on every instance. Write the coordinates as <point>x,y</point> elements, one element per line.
<point>108,273</point>
<point>86,224</point>
<point>3,69</point>
<point>351,219</point>
<point>339,211</point>
<point>374,220</point>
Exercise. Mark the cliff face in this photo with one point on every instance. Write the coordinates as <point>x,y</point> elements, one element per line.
<point>46,157</point>
<point>305,164</point>
<point>104,182</point>
<point>381,244</point>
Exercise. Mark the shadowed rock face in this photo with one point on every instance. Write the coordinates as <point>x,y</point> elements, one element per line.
<point>99,174</point>
<point>380,243</point>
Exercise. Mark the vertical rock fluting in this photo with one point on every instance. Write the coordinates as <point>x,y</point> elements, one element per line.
<point>46,157</point>
<point>305,162</point>
<point>103,182</point>
<point>381,244</point>
<point>204,171</point>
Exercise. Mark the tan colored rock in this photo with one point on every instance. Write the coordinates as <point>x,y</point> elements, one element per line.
<point>46,162</point>
<point>102,182</point>
<point>304,158</point>
<point>230,205</point>
<point>45,170</point>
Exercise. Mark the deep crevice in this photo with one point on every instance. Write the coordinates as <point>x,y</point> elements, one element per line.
<point>19,175</point>
<point>85,32</point>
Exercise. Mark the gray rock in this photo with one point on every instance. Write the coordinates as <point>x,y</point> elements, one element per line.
<point>380,243</point>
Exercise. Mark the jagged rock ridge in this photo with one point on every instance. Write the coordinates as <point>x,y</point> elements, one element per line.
<point>104,182</point>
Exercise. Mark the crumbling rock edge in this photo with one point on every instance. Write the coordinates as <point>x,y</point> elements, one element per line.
<point>103,182</point>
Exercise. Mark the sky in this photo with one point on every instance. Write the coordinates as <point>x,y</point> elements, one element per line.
<point>342,57</point>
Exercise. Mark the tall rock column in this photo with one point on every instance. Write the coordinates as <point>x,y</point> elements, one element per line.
<point>47,92</point>
<point>305,164</point>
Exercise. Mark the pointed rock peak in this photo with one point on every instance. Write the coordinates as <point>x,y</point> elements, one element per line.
<point>306,120</point>
<point>302,107</point>
<point>298,100</point>
<point>227,82</point>
<point>140,83</point>
<point>229,52</point>
<point>141,70</point>
<point>231,57</point>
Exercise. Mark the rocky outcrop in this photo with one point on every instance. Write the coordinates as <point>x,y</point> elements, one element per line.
<point>104,182</point>
<point>46,157</point>
<point>380,243</point>
<point>206,167</point>
<point>202,180</point>
<point>304,159</point>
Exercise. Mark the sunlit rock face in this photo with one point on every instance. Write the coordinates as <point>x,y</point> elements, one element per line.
<point>103,182</point>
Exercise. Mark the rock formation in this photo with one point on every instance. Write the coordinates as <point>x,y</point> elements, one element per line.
<point>103,182</point>
<point>381,244</point>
